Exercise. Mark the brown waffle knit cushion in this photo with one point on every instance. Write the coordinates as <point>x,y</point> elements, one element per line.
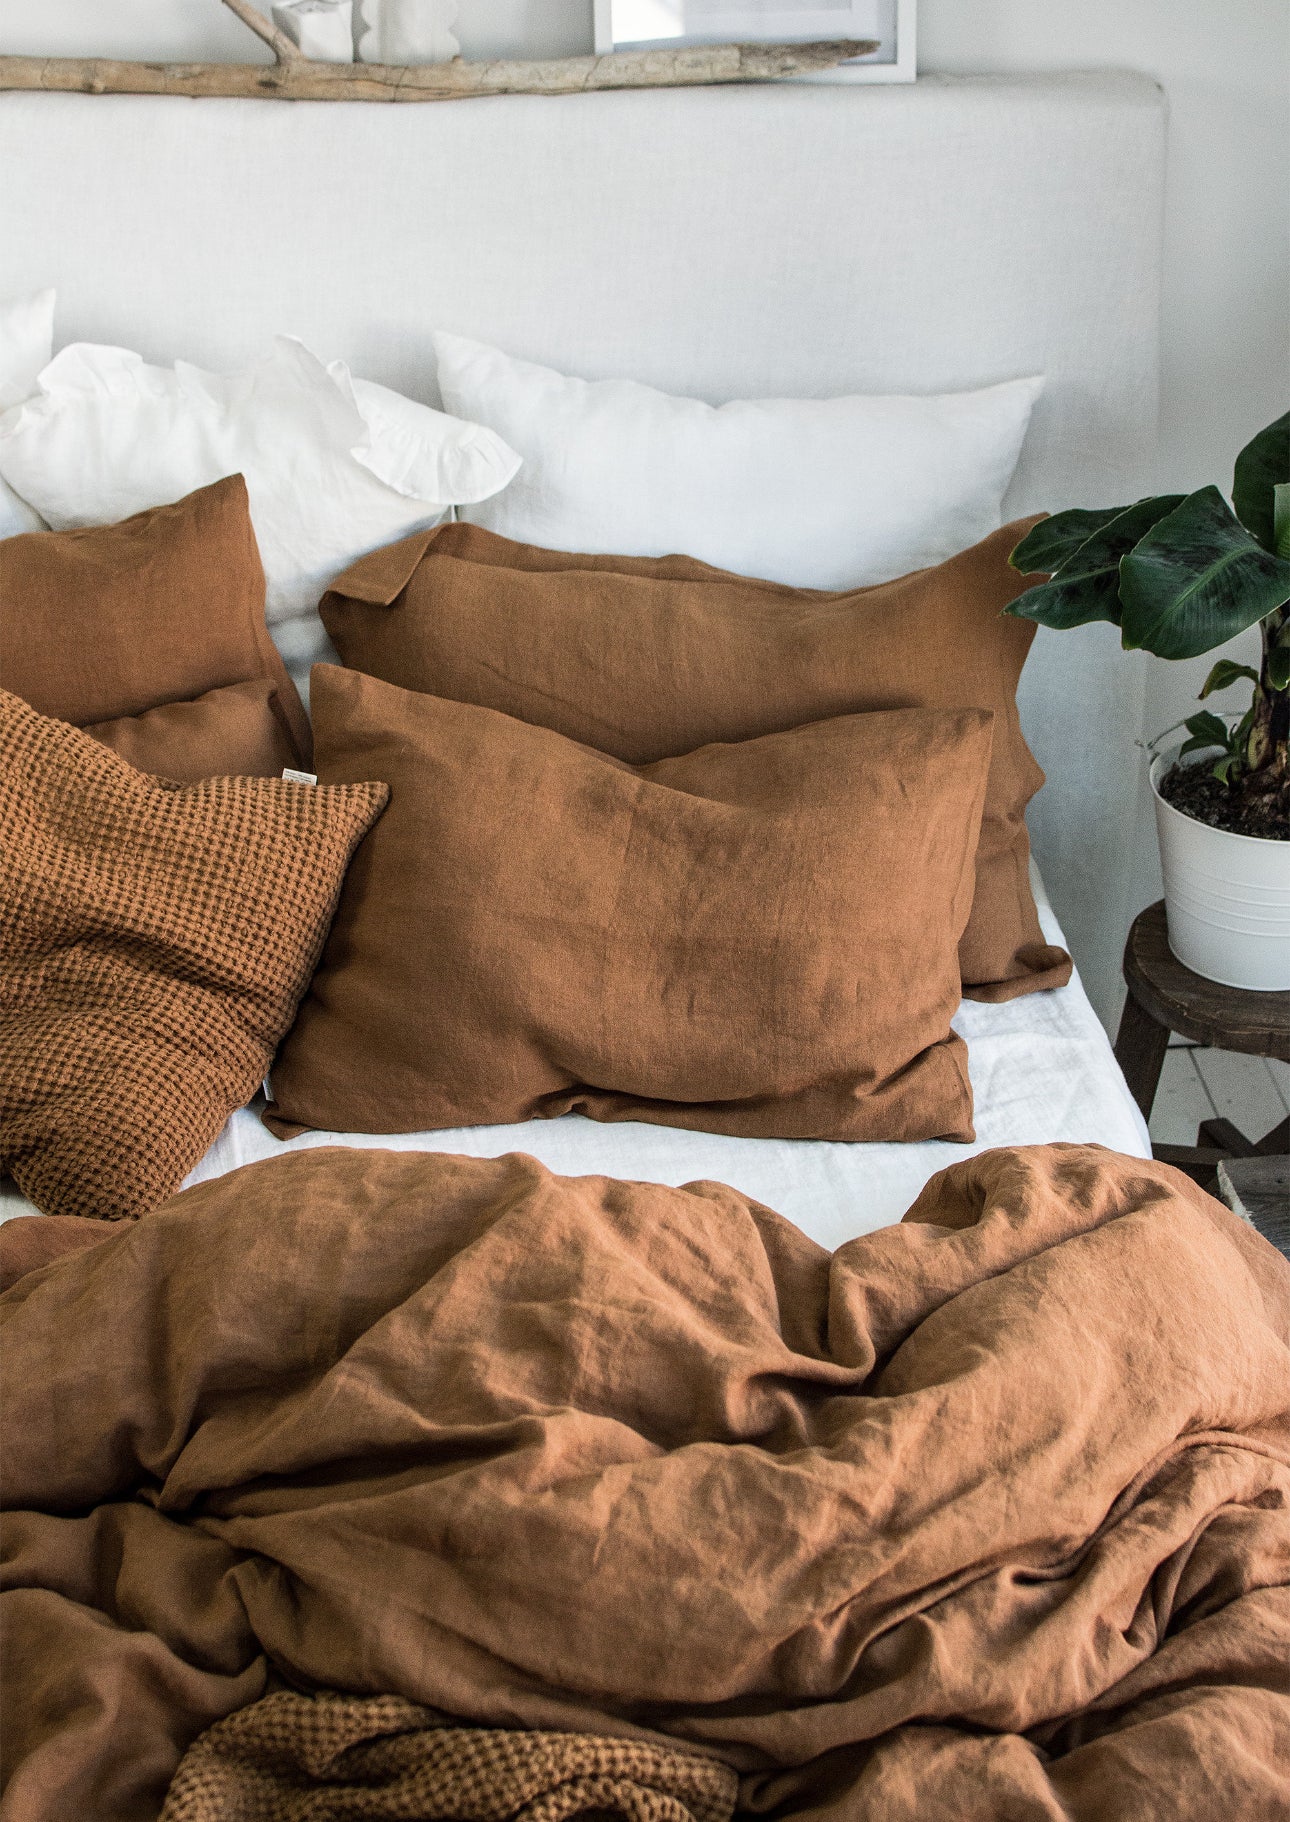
<point>154,942</point>
<point>382,1758</point>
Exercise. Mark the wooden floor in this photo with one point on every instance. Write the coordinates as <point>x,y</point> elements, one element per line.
<point>1198,1084</point>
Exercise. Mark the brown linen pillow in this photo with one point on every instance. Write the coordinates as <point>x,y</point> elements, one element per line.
<point>155,940</point>
<point>112,620</point>
<point>645,657</point>
<point>239,731</point>
<point>756,938</point>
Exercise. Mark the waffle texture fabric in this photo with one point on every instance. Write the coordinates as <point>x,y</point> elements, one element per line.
<point>155,940</point>
<point>331,1757</point>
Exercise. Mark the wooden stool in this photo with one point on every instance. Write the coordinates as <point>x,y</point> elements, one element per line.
<point>1163,997</point>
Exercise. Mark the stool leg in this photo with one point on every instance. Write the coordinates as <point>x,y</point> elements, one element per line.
<point>1140,1046</point>
<point>1274,1143</point>
<point>1227,1137</point>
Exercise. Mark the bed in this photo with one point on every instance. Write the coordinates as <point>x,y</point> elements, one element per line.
<point>884,256</point>
<point>569,1468</point>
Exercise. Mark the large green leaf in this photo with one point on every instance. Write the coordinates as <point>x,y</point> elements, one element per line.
<point>1054,540</point>
<point>1263,463</point>
<point>1196,579</point>
<point>1224,674</point>
<point>1206,730</point>
<point>1087,585</point>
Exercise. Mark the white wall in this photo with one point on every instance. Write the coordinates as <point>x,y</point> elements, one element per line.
<point>184,30</point>
<point>1225,69</point>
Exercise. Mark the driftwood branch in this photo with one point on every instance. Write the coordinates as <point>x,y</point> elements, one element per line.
<point>297,78</point>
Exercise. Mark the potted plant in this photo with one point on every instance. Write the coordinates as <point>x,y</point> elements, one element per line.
<point>1179,575</point>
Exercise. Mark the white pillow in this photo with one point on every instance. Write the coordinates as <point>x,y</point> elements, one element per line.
<point>26,343</point>
<point>823,493</point>
<point>334,467</point>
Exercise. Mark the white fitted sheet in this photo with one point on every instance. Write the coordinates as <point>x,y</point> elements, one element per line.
<point>1041,1070</point>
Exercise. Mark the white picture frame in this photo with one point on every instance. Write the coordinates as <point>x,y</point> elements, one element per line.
<point>892,22</point>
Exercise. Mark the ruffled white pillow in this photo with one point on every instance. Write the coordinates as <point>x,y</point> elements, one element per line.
<point>26,344</point>
<point>334,466</point>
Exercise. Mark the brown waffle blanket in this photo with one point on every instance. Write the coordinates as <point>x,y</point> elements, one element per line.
<point>296,1758</point>
<point>983,1516</point>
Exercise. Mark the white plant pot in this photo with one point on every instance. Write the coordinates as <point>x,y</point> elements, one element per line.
<point>1227,897</point>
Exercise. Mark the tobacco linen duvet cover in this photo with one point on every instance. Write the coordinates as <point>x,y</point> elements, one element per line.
<point>367,1484</point>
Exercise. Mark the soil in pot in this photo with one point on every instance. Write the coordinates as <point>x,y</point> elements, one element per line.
<point>1195,791</point>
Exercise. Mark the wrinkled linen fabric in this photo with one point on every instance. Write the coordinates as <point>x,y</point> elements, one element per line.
<point>647,658</point>
<point>27,1245</point>
<point>758,938</point>
<point>116,620</point>
<point>984,1515</point>
<point>239,730</point>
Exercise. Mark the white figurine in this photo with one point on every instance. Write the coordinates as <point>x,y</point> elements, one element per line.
<point>408,31</point>
<point>324,29</point>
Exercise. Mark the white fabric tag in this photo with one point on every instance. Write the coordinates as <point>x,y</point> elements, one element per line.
<point>294,777</point>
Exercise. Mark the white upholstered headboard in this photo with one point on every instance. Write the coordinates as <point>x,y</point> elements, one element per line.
<point>736,242</point>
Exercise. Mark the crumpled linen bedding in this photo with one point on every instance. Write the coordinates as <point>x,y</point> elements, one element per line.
<point>984,1515</point>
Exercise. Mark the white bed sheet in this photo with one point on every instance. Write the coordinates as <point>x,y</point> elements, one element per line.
<point>1041,1068</point>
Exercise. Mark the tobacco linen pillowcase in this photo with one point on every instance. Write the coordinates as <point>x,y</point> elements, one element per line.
<point>155,940</point>
<point>240,730</point>
<point>757,938</point>
<point>113,621</point>
<point>644,658</point>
